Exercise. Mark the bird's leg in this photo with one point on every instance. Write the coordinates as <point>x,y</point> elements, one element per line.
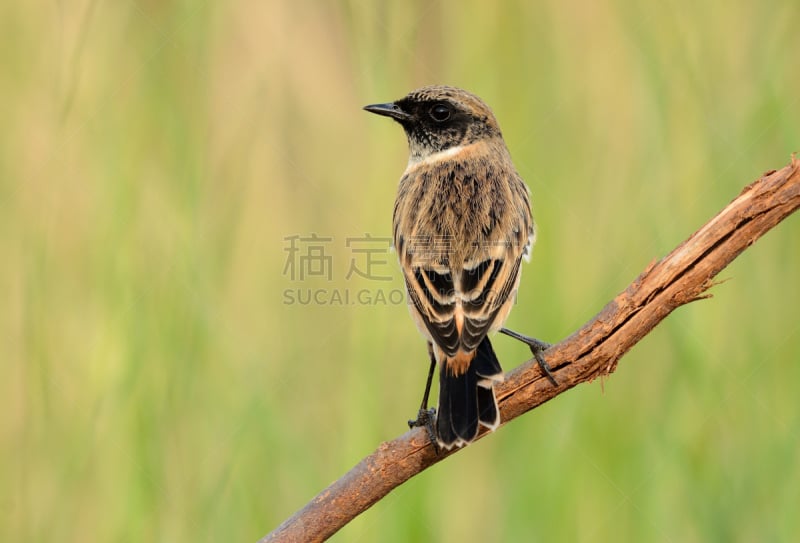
<point>426,416</point>
<point>537,348</point>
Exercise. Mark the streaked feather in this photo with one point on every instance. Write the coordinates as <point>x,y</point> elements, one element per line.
<point>462,224</point>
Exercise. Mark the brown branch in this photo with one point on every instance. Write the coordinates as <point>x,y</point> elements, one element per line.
<point>681,277</point>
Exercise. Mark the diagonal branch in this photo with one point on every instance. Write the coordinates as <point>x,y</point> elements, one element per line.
<point>681,277</point>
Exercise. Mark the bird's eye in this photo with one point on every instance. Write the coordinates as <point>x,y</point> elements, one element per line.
<point>440,113</point>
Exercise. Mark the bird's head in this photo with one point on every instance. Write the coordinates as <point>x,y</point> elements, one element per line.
<point>439,118</point>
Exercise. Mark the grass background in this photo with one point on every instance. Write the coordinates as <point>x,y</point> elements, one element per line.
<point>154,157</point>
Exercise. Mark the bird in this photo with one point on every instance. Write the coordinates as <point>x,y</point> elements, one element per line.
<point>461,226</point>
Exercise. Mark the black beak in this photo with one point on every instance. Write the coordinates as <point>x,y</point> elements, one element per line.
<point>388,110</point>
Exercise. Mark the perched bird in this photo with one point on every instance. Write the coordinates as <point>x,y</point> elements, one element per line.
<point>462,224</point>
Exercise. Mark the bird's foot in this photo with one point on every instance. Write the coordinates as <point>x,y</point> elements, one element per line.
<point>537,348</point>
<point>425,418</point>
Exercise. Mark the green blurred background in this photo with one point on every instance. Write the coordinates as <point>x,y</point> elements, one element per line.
<point>156,158</point>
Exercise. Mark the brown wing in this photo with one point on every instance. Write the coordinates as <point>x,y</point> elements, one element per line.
<point>436,306</point>
<point>497,279</point>
<point>459,314</point>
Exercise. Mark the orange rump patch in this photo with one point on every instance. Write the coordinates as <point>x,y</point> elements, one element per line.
<point>458,364</point>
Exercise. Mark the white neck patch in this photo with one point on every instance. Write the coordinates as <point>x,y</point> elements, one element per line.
<point>413,161</point>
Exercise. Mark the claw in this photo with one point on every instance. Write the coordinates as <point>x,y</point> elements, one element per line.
<point>425,418</point>
<point>544,366</point>
<point>537,347</point>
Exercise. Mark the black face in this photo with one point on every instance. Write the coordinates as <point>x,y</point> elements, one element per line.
<point>440,118</point>
<point>436,124</point>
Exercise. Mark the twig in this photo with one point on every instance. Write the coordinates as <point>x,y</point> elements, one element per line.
<point>681,277</point>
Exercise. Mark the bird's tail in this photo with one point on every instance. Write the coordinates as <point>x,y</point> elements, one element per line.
<point>467,400</point>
